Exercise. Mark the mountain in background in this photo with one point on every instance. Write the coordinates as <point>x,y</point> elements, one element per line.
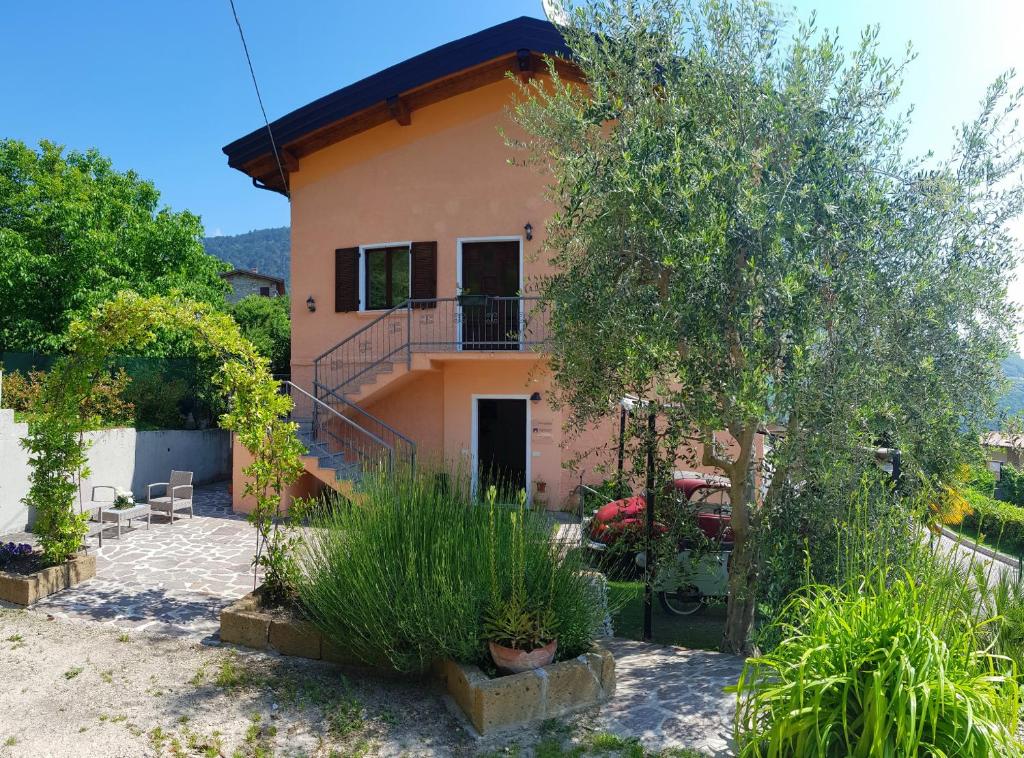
<point>1013,401</point>
<point>266,250</point>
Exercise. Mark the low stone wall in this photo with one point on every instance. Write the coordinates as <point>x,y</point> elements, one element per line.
<point>120,457</point>
<point>489,704</point>
<point>23,589</point>
<point>495,704</point>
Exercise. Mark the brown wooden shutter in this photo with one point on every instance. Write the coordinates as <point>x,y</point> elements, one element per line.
<point>424,273</point>
<point>346,279</point>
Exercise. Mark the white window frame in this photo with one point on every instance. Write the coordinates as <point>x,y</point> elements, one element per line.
<point>458,278</point>
<point>362,273</point>
<point>475,441</point>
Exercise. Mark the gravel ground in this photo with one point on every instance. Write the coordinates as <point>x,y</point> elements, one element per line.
<point>72,688</point>
<point>77,688</point>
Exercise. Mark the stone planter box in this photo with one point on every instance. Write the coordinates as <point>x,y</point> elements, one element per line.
<point>489,704</point>
<point>26,589</point>
<point>495,704</point>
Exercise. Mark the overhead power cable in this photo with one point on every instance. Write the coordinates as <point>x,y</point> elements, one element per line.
<point>270,132</point>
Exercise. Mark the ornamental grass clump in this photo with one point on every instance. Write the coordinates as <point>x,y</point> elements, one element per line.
<point>883,667</point>
<point>403,577</point>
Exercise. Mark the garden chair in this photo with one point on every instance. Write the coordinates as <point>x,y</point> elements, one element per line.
<point>177,495</point>
<point>95,506</point>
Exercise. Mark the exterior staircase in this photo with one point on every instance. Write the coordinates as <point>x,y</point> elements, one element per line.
<point>342,440</point>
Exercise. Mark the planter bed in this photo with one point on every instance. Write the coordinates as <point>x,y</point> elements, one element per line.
<point>507,701</point>
<point>490,704</point>
<point>26,588</point>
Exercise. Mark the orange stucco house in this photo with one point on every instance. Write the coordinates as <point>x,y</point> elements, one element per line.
<point>414,242</point>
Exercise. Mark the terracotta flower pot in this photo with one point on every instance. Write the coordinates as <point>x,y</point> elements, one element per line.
<point>512,661</point>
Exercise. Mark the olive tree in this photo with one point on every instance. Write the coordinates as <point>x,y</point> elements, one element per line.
<point>742,242</point>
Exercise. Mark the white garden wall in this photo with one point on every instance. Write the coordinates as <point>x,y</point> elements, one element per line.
<point>120,457</point>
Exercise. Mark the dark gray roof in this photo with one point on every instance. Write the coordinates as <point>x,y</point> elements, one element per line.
<point>522,33</point>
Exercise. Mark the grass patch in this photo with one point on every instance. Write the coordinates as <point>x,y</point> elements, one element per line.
<point>702,631</point>
<point>73,672</point>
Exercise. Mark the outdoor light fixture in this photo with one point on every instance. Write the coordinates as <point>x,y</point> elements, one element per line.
<point>311,303</point>
<point>535,397</point>
<point>529,230</point>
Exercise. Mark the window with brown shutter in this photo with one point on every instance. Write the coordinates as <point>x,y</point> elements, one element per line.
<point>346,279</point>
<point>424,273</point>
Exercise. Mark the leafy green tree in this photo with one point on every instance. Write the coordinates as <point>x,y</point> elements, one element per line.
<point>73,232</point>
<point>742,242</point>
<point>266,323</point>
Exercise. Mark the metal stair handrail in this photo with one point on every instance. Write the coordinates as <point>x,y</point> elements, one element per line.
<point>343,435</point>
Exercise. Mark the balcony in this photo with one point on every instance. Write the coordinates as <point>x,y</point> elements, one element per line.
<point>466,324</point>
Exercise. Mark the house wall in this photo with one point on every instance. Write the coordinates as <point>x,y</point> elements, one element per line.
<point>124,458</point>
<point>243,285</point>
<point>443,177</point>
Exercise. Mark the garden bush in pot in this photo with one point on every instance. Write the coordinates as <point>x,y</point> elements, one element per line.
<point>405,577</point>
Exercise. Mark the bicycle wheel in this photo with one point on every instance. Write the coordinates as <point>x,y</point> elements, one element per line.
<point>684,601</point>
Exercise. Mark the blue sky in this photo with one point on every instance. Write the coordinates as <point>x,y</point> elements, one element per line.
<point>160,87</point>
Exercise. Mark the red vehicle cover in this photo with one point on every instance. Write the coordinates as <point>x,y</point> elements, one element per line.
<point>626,516</point>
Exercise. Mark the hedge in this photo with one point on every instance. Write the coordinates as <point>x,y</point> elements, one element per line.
<point>1002,522</point>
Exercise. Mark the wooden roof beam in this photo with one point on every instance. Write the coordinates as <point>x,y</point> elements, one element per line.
<point>399,110</point>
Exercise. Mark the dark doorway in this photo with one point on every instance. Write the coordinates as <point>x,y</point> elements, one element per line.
<point>490,295</point>
<point>501,444</point>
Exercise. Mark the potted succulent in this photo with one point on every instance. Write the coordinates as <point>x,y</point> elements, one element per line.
<point>520,636</point>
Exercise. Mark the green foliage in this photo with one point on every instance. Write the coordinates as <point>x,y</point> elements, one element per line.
<point>266,323</point>
<point>883,668</point>
<point>403,576</point>
<point>74,232</point>
<point>827,534</point>
<point>742,241</point>
<point>107,405</point>
<point>57,451</point>
<point>1001,522</point>
<point>265,250</point>
<point>513,616</point>
<point>1011,486</point>
<point>901,655</point>
<point>980,479</point>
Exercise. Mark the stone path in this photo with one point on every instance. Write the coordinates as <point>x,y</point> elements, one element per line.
<point>671,697</point>
<point>176,579</point>
<point>172,579</point>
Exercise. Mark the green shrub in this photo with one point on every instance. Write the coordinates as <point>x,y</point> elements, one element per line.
<point>107,403</point>
<point>1002,522</point>
<point>1011,485</point>
<point>980,479</point>
<point>886,668</point>
<point>403,578</point>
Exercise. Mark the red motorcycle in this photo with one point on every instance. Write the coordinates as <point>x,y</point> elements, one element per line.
<point>687,587</point>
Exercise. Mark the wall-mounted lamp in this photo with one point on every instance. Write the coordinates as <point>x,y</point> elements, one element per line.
<point>535,397</point>
<point>311,304</point>
<point>529,230</point>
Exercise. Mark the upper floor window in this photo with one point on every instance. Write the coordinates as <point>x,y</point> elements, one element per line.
<point>265,291</point>
<point>386,276</point>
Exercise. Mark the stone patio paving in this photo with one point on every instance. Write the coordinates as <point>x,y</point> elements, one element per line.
<point>176,579</point>
<point>171,579</point>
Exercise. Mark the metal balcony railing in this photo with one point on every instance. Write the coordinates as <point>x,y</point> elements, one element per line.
<point>466,323</point>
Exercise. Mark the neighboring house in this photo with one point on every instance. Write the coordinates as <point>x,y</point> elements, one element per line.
<point>1002,449</point>
<point>414,243</point>
<point>244,283</point>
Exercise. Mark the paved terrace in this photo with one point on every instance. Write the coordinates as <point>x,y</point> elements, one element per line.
<point>170,579</point>
<point>175,579</point>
